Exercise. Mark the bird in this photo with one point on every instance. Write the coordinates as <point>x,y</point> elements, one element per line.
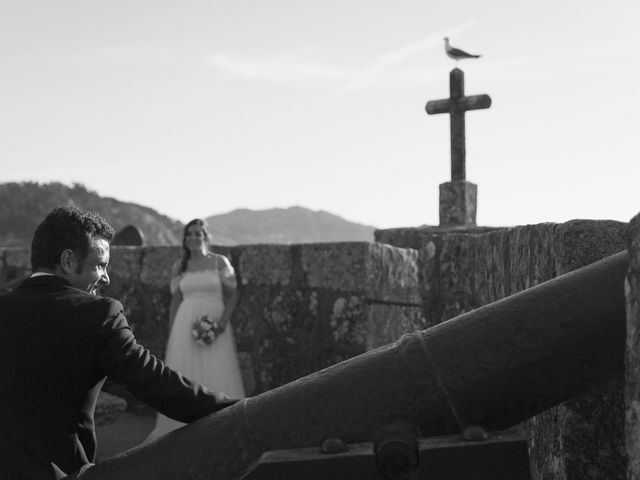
<point>456,53</point>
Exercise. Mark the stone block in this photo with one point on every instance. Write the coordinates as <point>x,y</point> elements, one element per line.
<point>580,242</point>
<point>335,266</point>
<point>417,237</point>
<point>248,373</point>
<point>125,263</point>
<point>288,333</point>
<point>393,274</point>
<point>578,440</point>
<point>387,323</point>
<point>632,352</point>
<point>528,257</point>
<point>265,265</point>
<point>462,271</point>
<point>16,264</point>
<point>379,272</point>
<point>458,201</point>
<point>156,265</point>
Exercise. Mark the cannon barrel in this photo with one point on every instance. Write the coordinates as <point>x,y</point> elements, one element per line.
<point>495,366</point>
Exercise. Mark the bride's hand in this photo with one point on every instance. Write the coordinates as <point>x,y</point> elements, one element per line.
<point>219,327</point>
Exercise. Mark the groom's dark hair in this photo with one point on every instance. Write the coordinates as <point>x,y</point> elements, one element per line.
<point>63,228</point>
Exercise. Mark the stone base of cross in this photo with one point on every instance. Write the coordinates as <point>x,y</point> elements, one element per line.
<point>458,200</point>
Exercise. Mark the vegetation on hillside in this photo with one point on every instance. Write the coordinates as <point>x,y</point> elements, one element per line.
<point>23,205</point>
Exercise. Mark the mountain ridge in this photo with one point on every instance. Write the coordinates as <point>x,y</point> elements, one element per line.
<point>293,224</point>
<point>24,204</point>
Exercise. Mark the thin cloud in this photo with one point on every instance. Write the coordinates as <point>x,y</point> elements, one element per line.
<point>294,67</point>
<point>283,68</point>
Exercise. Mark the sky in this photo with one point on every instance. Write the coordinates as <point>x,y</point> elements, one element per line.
<point>197,108</point>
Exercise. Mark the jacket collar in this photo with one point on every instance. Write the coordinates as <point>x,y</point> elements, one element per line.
<point>43,280</point>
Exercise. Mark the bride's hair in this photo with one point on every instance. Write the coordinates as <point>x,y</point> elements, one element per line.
<point>187,253</point>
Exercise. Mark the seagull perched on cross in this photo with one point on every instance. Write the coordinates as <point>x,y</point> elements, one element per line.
<point>456,53</point>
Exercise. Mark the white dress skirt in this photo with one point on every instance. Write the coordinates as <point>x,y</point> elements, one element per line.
<point>216,365</point>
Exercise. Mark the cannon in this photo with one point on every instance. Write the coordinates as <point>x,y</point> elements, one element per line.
<point>494,367</point>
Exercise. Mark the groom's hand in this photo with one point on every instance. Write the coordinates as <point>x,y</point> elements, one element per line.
<point>223,401</point>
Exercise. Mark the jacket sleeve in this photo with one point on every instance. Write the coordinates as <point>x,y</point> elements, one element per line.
<point>125,361</point>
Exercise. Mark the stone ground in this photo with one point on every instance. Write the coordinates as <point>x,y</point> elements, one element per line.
<point>127,431</point>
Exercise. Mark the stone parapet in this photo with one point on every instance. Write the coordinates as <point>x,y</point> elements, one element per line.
<point>416,237</point>
<point>632,355</point>
<point>463,271</point>
<point>305,307</point>
<point>301,307</point>
<point>381,273</point>
<point>580,439</point>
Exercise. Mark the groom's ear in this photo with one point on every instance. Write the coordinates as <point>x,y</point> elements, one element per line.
<point>68,261</point>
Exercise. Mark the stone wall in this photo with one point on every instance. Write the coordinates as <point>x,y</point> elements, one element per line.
<point>580,439</point>
<point>304,307</point>
<point>632,356</point>
<point>301,308</point>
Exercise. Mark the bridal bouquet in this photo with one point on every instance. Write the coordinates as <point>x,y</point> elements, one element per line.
<point>205,330</point>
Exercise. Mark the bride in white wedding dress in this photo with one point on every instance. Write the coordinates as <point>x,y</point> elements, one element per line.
<point>202,283</point>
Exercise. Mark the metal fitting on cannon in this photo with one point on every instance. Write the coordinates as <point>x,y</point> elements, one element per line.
<point>396,450</point>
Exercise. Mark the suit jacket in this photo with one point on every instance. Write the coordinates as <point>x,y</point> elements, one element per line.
<point>57,346</point>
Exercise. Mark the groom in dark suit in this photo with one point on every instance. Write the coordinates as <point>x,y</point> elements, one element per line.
<point>60,341</point>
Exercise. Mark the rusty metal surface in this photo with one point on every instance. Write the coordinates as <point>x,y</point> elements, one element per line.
<point>494,367</point>
<point>503,456</point>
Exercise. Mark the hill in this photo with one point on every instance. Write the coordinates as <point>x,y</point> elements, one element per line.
<point>24,205</point>
<point>284,225</point>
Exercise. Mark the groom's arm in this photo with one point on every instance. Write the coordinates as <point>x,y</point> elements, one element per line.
<point>127,362</point>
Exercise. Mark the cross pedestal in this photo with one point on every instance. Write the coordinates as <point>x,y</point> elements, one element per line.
<point>458,201</point>
<point>458,198</point>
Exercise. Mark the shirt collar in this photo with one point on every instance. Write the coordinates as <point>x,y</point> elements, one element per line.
<point>40,274</point>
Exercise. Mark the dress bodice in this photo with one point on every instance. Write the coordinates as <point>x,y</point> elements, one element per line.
<point>201,283</point>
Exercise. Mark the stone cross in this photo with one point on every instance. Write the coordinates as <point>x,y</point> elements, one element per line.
<point>456,106</point>
<point>458,198</point>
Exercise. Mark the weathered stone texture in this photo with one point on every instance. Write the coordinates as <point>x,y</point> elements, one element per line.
<point>15,264</point>
<point>461,272</point>
<point>382,273</point>
<point>632,353</point>
<point>125,263</point>
<point>417,237</point>
<point>387,323</point>
<point>580,242</point>
<point>458,203</point>
<point>266,265</point>
<point>156,265</point>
